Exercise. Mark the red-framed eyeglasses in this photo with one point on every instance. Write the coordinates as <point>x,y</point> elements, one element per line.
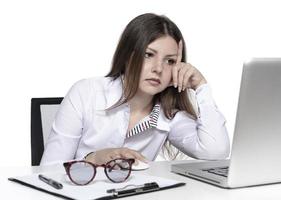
<point>83,172</point>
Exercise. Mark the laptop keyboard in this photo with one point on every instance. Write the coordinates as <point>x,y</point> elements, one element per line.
<point>221,171</point>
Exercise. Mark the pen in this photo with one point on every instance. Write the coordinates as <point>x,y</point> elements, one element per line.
<point>135,190</point>
<point>50,181</point>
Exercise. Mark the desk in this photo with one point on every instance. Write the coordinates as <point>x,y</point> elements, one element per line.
<point>192,190</point>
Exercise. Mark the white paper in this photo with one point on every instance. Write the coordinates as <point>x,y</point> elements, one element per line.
<point>97,188</point>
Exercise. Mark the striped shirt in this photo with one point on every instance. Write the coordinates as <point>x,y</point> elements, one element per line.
<point>148,122</point>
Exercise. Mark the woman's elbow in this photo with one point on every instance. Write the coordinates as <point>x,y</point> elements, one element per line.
<point>219,152</point>
<point>213,152</point>
<point>218,148</point>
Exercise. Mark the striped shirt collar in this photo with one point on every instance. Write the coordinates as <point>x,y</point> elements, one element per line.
<point>147,123</point>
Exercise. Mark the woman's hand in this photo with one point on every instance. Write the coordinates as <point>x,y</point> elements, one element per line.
<point>185,75</point>
<point>105,155</point>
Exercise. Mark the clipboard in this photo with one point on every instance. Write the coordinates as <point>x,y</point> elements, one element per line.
<point>101,189</point>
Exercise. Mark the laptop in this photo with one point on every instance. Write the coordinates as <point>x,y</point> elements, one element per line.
<point>256,149</point>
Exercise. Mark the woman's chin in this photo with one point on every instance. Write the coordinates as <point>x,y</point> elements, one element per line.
<point>151,91</point>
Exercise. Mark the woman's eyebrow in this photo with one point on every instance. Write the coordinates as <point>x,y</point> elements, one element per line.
<point>169,55</point>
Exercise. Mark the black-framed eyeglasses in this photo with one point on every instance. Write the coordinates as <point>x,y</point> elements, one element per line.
<point>83,172</point>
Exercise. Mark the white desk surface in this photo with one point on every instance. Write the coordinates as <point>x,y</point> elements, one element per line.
<point>192,190</point>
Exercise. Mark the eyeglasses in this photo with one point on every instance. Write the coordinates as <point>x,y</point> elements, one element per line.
<point>83,172</point>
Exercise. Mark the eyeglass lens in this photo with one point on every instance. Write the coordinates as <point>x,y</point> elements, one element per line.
<point>82,173</point>
<point>118,170</point>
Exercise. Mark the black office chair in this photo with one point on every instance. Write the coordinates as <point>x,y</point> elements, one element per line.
<point>43,111</point>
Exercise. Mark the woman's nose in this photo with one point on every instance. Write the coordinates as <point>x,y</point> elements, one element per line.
<point>157,66</point>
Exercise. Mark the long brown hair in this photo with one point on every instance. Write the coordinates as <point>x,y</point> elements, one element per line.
<point>129,57</point>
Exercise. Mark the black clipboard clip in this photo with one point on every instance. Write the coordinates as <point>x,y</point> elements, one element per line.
<point>133,189</point>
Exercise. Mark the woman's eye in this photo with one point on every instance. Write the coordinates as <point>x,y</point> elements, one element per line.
<point>171,62</point>
<point>148,55</point>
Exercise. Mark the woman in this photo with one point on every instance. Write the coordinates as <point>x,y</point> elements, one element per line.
<point>141,105</point>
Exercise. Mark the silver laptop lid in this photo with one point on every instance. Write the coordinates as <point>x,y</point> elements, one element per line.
<point>256,150</point>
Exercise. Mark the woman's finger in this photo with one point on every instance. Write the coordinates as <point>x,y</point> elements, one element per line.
<point>181,73</point>
<point>134,154</point>
<point>127,153</point>
<point>140,157</point>
<point>179,52</point>
<point>187,78</point>
<point>175,75</point>
<point>114,155</point>
<point>176,67</point>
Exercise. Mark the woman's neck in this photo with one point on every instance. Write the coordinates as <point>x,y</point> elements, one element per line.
<point>141,103</point>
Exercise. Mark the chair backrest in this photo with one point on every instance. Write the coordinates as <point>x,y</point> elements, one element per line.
<point>43,112</point>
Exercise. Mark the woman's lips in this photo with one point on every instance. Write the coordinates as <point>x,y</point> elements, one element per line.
<point>153,81</point>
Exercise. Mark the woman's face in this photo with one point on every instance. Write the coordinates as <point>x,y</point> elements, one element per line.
<point>160,57</point>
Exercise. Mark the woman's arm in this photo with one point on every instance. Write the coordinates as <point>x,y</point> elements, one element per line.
<point>67,127</point>
<point>206,137</point>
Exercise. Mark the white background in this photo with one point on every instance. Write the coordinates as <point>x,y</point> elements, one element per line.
<point>46,46</point>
